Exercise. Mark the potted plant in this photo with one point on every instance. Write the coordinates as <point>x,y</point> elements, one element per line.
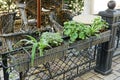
<point>84,35</point>
<point>49,47</point>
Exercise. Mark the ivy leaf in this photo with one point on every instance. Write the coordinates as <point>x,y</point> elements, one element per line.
<point>67,32</point>
<point>82,35</point>
<point>73,37</point>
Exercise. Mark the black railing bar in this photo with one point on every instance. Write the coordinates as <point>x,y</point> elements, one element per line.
<point>15,64</point>
<point>12,52</point>
<point>70,47</point>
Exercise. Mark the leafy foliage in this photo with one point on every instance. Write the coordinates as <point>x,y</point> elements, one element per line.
<point>47,39</point>
<point>81,31</point>
<point>99,24</point>
<point>75,5</point>
<point>7,5</point>
<point>53,39</point>
<point>74,30</point>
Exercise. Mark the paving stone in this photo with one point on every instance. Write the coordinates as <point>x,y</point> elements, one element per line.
<point>1,74</point>
<point>115,68</point>
<point>118,70</point>
<point>78,78</point>
<point>100,75</point>
<point>118,65</point>
<point>118,78</point>
<point>92,71</point>
<point>96,78</point>
<point>32,77</point>
<point>110,77</point>
<point>89,79</point>
<point>87,75</point>
<point>114,64</point>
<point>117,60</point>
<point>116,73</point>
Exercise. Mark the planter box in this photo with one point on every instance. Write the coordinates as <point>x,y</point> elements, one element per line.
<point>94,40</point>
<point>21,60</point>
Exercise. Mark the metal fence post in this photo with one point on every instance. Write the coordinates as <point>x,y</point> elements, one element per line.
<point>4,62</point>
<point>104,56</point>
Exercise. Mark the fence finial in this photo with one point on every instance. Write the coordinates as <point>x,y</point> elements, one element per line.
<point>111,4</point>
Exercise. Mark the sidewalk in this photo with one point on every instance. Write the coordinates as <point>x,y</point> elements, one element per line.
<point>115,75</point>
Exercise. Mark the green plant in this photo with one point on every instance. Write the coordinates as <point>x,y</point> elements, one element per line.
<point>75,5</point>
<point>81,31</point>
<point>47,40</point>
<point>74,30</point>
<point>100,24</point>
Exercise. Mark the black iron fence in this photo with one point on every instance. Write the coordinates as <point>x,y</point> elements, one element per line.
<point>66,67</point>
<point>64,62</point>
<point>117,41</point>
